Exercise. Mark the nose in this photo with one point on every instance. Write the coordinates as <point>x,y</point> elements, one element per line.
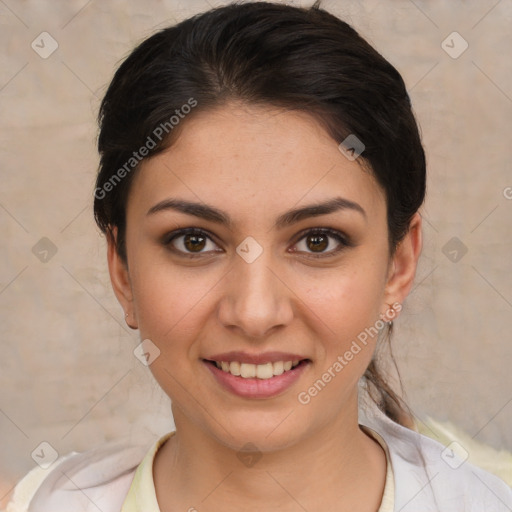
<point>256,299</point>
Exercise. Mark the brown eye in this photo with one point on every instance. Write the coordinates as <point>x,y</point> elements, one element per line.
<point>194,243</point>
<point>190,242</point>
<point>315,242</point>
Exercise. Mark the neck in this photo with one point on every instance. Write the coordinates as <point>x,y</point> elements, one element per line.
<point>330,469</point>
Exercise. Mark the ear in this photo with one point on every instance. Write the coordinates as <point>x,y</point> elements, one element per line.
<point>403,265</point>
<point>120,279</point>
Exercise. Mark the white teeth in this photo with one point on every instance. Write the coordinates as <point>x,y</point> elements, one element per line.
<point>278,368</point>
<point>234,368</point>
<point>260,371</point>
<point>264,371</point>
<point>247,371</point>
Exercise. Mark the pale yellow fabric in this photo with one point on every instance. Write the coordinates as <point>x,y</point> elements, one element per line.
<point>482,455</point>
<point>142,496</point>
<point>388,497</point>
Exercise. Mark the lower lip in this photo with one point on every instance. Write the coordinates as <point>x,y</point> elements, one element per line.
<point>257,388</point>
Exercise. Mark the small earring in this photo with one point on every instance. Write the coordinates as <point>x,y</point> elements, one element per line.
<point>391,307</point>
<point>126,315</point>
<point>384,316</point>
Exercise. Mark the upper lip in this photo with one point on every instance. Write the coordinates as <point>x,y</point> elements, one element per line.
<point>265,357</point>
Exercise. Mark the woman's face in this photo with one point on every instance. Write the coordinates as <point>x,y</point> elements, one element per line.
<point>261,280</point>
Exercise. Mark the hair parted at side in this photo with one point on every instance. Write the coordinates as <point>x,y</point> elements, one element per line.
<point>267,54</point>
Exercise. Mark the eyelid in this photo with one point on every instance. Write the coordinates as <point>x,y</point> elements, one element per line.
<point>343,240</point>
<point>168,238</point>
<point>339,236</point>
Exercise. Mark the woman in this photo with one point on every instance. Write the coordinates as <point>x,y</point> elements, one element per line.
<point>260,179</point>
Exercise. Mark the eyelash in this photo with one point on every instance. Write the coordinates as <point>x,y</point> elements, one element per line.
<point>343,240</point>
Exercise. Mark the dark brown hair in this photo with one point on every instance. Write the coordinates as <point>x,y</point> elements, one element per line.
<point>269,54</point>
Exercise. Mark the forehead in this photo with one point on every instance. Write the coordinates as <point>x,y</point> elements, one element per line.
<point>254,156</point>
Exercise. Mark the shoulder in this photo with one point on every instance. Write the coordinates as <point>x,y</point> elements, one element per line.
<point>98,479</point>
<point>432,477</point>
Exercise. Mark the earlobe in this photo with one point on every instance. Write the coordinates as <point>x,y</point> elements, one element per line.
<point>120,279</point>
<point>404,263</point>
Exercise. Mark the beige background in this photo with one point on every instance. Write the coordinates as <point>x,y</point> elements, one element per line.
<point>68,374</point>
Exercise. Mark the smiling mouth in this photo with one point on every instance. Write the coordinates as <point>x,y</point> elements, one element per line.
<point>259,371</point>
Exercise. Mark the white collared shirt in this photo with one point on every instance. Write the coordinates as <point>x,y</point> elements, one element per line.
<point>422,476</point>
<point>142,497</point>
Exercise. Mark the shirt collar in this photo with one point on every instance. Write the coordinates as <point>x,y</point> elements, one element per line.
<point>141,496</point>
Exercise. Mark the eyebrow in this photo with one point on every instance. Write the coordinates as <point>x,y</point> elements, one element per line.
<point>288,218</point>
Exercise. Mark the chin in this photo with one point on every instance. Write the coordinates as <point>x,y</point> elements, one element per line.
<point>271,432</point>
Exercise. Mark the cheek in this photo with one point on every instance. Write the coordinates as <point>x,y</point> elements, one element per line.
<point>170,301</point>
<point>347,302</point>
<point>348,306</point>
<point>170,316</point>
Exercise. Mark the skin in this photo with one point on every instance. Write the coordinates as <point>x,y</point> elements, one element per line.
<point>255,163</point>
